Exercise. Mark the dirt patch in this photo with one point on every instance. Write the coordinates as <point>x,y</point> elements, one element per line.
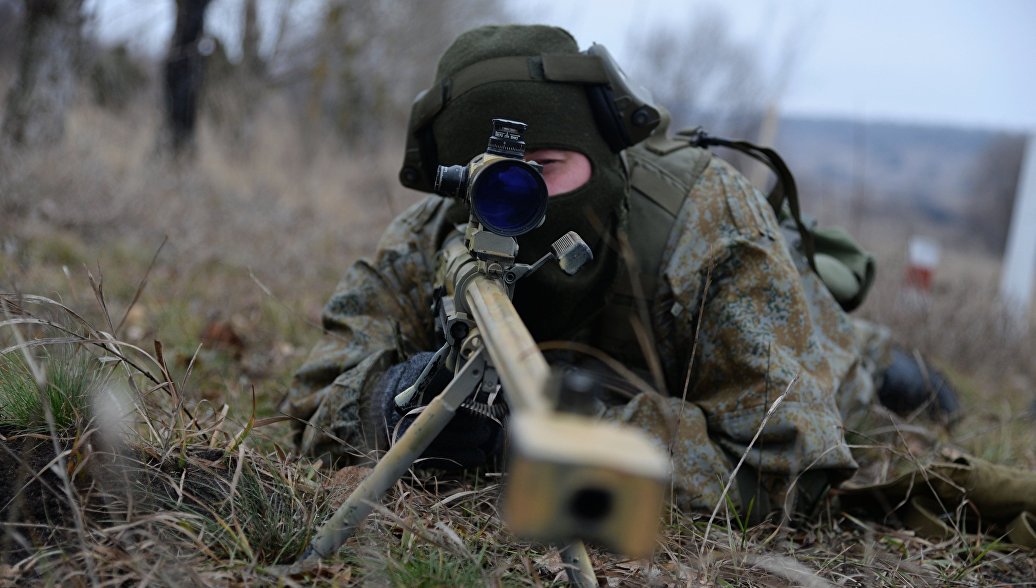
<point>344,482</point>
<point>33,504</point>
<point>36,511</point>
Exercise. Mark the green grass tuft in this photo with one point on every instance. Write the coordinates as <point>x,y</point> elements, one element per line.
<point>71,375</point>
<point>426,565</point>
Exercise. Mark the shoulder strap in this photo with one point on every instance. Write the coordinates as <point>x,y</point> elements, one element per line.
<point>784,191</point>
<point>661,177</point>
<point>661,173</point>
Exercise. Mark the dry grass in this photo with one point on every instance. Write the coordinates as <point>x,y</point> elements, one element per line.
<point>984,350</point>
<point>157,483</point>
<point>192,480</point>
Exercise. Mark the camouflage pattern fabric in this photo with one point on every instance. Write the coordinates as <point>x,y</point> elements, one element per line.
<point>739,317</point>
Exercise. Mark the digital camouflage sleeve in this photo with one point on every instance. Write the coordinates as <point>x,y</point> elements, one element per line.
<point>751,323</point>
<point>751,320</point>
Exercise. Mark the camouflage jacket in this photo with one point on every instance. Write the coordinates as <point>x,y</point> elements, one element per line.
<point>739,321</point>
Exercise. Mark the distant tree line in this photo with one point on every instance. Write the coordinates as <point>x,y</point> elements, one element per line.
<point>350,69</point>
<point>349,65</point>
<point>352,66</point>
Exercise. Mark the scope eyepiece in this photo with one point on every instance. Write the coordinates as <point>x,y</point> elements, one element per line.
<point>451,181</point>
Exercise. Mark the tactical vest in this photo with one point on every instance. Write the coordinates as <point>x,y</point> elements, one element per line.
<point>662,171</point>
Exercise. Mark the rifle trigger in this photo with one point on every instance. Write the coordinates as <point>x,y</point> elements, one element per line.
<point>492,395</point>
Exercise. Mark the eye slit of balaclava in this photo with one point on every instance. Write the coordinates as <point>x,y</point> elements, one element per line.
<point>593,166</point>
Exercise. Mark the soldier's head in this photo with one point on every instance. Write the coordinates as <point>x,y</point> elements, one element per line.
<point>580,113</point>
<point>578,108</point>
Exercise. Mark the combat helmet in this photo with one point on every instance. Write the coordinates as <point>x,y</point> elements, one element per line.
<point>533,72</point>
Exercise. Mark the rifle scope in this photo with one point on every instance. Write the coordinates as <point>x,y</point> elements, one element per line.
<point>504,193</point>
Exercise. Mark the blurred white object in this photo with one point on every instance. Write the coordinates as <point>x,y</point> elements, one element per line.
<point>923,256</point>
<point>1019,267</point>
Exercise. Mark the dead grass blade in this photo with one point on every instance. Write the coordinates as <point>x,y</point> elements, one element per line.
<point>140,287</point>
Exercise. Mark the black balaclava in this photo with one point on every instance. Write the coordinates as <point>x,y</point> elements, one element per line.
<point>552,304</point>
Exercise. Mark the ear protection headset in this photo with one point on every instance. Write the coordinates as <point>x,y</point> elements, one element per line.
<point>624,114</point>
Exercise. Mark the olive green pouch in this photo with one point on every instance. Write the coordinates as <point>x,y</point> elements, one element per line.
<point>964,496</point>
<point>844,267</point>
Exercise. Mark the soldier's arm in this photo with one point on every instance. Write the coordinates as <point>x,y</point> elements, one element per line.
<point>378,315</point>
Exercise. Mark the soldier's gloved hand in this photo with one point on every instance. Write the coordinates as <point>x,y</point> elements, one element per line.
<point>469,440</point>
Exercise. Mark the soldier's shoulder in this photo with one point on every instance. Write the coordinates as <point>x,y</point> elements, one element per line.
<point>670,172</point>
<point>422,220</point>
<point>703,194</point>
<point>667,165</point>
<point>721,218</point>
<point>723,200</point>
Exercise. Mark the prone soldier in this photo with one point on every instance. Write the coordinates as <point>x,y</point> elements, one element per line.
<point>695,289</point>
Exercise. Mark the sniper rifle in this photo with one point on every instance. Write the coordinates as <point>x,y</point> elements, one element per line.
<point>570,478</point>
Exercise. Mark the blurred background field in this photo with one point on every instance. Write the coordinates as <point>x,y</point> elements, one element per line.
<point>290,176</point>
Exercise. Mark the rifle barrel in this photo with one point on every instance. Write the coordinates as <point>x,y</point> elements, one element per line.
<point>519,362</point>
<point>569,475</point>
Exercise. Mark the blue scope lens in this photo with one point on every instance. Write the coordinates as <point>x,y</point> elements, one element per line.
<point>509,197</point>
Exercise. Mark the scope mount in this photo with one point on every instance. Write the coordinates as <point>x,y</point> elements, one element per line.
<point>495,255</point>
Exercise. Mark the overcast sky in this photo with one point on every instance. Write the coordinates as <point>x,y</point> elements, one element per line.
<point>966,62</point>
